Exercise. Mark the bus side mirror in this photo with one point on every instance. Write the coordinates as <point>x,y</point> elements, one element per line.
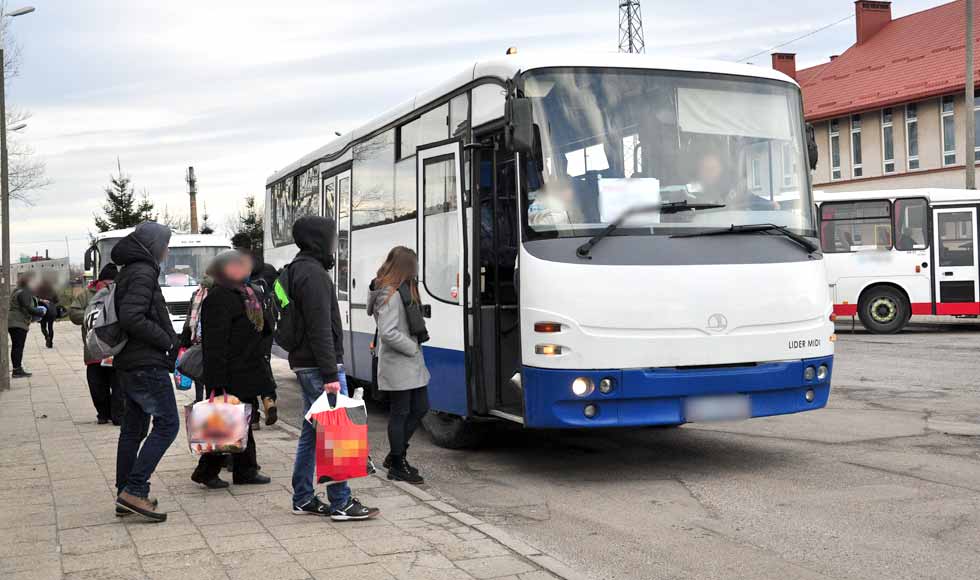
<point>90,259</point>
<point>811,146</point>
<point>520,125</point>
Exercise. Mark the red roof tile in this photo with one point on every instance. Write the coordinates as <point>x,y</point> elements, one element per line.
<point>917,56</point>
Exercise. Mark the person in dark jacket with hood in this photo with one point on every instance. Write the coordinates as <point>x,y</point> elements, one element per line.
<point>233,332</point>
<point>318,362</point>
<point>143,366</point>
<point>106,394</point>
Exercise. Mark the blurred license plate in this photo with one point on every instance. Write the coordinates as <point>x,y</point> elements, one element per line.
<point>726,408</point>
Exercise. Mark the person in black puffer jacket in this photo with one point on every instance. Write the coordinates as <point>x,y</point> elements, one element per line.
<point>143,367</point>
<point>233,332</point>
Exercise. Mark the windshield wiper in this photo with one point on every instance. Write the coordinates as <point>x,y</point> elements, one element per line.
<point>585,249</point>
<point>804,242</point>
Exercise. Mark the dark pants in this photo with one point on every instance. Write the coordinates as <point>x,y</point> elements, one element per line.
<point>18,338</point>
<point>47,328</point>
<point>244,464</point>
<point>106,395</point>
<point>149,394</point>
<point>407,410</point>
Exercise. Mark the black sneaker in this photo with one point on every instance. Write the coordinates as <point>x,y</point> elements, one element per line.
<point>353,512</point>
<point>314,507</point>
<point>20,373</point>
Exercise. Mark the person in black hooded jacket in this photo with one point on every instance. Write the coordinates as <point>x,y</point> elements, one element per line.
<point>143,367</point>
<point>318,362</point>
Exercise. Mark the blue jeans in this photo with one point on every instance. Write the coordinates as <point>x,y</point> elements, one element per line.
<point>338,494</point>
<point>149,393</point>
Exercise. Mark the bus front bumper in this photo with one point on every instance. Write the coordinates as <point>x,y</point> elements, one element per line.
<point>671,396</point>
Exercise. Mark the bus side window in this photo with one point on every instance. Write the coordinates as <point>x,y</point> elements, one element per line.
<point>911,224</point>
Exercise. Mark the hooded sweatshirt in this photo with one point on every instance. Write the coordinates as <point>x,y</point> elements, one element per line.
<point>140,305</point>
<point>313,291</point>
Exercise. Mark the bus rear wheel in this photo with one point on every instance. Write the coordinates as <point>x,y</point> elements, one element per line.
<point>884,310</point>
<point>452,431</point>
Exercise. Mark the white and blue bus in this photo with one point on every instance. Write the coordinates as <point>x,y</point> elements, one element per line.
<point>604,241</point>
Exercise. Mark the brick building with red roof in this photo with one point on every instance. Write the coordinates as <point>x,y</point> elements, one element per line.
<point>889,112</point>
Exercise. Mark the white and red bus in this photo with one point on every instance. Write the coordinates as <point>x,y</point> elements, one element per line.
<point>893,254</point>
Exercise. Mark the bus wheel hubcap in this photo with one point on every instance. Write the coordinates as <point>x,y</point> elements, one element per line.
<point>883,310</point>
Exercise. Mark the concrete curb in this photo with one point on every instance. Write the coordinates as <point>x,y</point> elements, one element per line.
<point>518,546</point>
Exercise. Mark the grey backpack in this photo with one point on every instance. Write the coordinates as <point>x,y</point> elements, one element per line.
<point>103,336</point>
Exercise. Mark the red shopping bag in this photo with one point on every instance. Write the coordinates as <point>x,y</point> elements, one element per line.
<point>341,439</point>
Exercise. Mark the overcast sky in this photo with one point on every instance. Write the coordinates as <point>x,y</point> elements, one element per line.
<point>239,88</point>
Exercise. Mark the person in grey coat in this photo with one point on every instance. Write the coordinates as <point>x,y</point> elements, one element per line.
<point>394,302</point>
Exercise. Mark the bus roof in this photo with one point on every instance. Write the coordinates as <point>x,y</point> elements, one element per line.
<point>177,240</point>
<point>934,195</point>
<point>506,68</point>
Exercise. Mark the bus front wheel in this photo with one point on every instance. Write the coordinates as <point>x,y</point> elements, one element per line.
<point>452,431</point>
<point>884,310</point>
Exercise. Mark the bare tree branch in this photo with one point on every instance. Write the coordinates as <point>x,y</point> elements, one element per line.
<point>26,173</point>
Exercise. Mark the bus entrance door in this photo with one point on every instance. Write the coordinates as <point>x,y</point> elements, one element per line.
<point>442,274</point>
<point>336,190</point>
<point>956,269</point>
<point>496,247</point>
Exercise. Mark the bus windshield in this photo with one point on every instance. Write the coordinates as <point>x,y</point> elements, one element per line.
<point>186,266</point>
<point>616,139</point>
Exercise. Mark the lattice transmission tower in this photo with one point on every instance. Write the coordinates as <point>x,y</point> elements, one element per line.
<point>630,27</point>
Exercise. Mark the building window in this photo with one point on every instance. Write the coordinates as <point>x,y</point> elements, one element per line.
<point>835,149</point>
<point>887,140</point>
<point>976,112</point>
<point>948,122</point>
<point>857,169</point>
<point>912,134</point>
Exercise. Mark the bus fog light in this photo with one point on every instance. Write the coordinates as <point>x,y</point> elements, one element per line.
<point>591,411</point>
<point>809,395</point>
<point>582,387</point>
<point>822,372</point>
<point>606,386</point>
<point>809,373</point>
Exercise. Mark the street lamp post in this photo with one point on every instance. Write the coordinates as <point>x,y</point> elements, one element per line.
<point>5,210</point>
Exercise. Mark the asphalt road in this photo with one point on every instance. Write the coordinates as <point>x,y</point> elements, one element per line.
<point>883,484</point>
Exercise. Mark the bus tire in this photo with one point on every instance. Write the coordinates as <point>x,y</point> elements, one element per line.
<point>884,310</point>
<point>452,431</point>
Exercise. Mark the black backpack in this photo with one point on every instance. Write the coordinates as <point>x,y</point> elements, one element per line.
<point>289,322</point>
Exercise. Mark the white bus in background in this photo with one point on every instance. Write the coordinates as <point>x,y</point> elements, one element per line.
<point>189,256</point>
<point>893,254</point>
<point>604,240</point>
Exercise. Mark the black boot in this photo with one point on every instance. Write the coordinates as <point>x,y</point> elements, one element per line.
<point>388,459</point>
<point>20,373</point>
<point>210,483</point>
<point>399,471</point>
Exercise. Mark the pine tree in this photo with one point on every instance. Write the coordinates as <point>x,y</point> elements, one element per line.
<point>249,225</point>
<point>122,209</point>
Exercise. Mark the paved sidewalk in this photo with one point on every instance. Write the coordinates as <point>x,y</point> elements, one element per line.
<point>57,468</point>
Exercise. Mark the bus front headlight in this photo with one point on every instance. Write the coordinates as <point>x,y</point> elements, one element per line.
<point>809,373</point>
<point>582,387</point>
<point>822,372</point>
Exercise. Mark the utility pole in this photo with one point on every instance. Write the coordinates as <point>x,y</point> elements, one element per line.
<point>5,209</point>
<point>192,191</point>
<point>630,27</point>
<point>971,119</point>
